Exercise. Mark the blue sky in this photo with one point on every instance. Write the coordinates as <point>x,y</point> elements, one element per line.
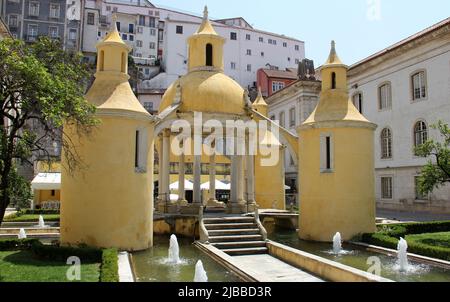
<point>356,25</point>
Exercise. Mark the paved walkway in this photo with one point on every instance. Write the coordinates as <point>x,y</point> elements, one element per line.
<point>266,268</point>
<point>411,216</point>
<point>125,272</point>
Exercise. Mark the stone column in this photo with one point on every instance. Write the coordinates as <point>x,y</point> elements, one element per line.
<point>234,180</point>
<point>160,173</point>
<point>181,180</point>
<point>197,179</point>
<point>241,179</point>
<point>250,179</point>
<point>166,166</point>
<point>212,179</point>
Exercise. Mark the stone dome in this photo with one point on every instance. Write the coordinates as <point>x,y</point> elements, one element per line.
<point>208,92</point>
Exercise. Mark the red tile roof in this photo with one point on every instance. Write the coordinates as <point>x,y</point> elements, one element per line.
<point>283,74</point>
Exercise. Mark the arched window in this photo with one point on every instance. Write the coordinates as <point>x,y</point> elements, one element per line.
<point>124,63</point>
<point>333,80</point>
<point>209,55</point>
<point>101,61</point>
<point>358,101</point>
<point>386,143</point>
<point>385,96</point>
<point>420,133</point>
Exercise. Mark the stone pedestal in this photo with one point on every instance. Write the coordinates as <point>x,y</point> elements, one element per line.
<point>191,209</point>
<point>237,208</point>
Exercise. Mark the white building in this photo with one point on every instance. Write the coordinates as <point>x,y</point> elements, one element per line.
<point>158,38</point>
<point>246,49</point>
<point>291,106</point>
<point>137,23</point>
<point>405,89</point>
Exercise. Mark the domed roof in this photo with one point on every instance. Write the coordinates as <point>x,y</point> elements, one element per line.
<point>206,91</point>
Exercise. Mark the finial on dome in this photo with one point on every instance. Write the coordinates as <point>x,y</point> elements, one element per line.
<point>114,22</point>
<point>177,98</point>
<point>247,101</point>
<point>205,13</point>
<point>333,57</point>
<point>259,92</point>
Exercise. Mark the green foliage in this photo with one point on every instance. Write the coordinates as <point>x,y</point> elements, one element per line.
<point>388,236</point>
<point>23,266</point>
<point>42,87</point>
<point>38,212</point>
<point>62,253</point>
<point>109,268</point>
<point>19,190</point>
<point>32,218</point>
<point>16,244</point>
<point>437,172</point>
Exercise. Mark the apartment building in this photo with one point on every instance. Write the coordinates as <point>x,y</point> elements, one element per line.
<point>405,89</point>
<point>158,37</point>
<point>290,107</point>
<point>58,19</point>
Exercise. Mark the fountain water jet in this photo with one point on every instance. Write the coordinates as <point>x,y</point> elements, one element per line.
<point>22,234</point>
<point>174,250</point>
<point>337,243</point>
<point>200,273</point>
<point>41,224</point>
<point>402,255</point>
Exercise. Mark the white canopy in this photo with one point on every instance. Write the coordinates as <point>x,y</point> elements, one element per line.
<point>47,181</point>
<point>287,187</point>
<point>219,186</point>
<point>188,185</point>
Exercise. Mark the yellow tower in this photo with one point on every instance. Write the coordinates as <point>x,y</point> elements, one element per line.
<point>269,179</point>
<point>336,163</point>
<point>108,202</point>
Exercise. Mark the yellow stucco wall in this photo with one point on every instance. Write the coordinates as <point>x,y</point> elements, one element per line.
<point>269,183</point>
<point>40,196</point>
<point>342,201</point>
<point>108,204</point>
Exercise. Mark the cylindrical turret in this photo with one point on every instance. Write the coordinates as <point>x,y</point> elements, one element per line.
<point>336,163</point>
<point>108,200</point>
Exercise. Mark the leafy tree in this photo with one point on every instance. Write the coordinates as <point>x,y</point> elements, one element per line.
<point>437,172</point>
<point>41,88</point>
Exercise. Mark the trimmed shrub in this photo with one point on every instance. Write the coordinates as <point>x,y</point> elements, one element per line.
<point>109,271</point>
<point>62,253</point>
<point>388,237</point>
<point>380,240</point>
<point>16,244</point>
<point>38,212</point>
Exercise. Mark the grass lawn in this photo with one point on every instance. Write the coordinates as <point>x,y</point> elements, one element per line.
<point>31,218</point>
<point>433,239</point>
<point>22,266</point>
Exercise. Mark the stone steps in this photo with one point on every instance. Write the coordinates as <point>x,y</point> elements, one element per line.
<point>236,236</point>
<point>241,244</point>
<point>239,219</point>
<point>246,251</point>
<point>221,226</point>
<point>225,232</point>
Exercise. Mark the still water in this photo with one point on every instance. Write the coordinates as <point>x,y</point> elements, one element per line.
<point>153,265</point>
<point>359,257</point>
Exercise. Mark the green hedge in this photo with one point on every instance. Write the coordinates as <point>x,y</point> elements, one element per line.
<point>16,244</point>
<point>401,230</point>
<point>109,270</point>
<point>388,237</point>
<point>61,253</point>
<point>38,212</point>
